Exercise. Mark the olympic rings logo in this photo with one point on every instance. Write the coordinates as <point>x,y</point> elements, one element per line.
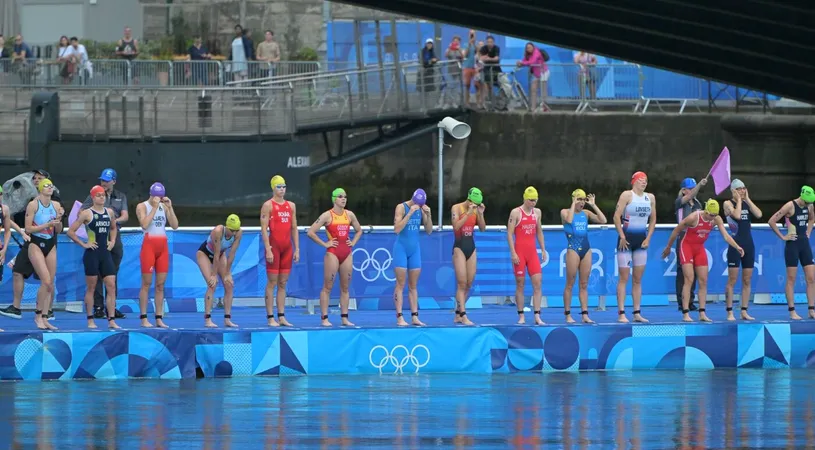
<point>399,357</point>
<point>372,264</point>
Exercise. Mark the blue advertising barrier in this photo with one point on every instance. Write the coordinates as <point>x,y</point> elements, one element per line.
<point>373,277</point>
<point>178,354</point>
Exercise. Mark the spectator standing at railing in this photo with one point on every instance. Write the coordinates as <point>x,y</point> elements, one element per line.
<point>198,70</point>
<point>268,51</point>
<point>585,75</point>
<point>428,78</point>
<point>491,57</point>
<point>455,53</point>
<point>238,56</point>
<point>478,79</point>
<point>249,47</point>
<point>538,74</point>
<point>4,54</point>
<point>83,61</point>
<point>468,67</point>
<point>20,54</point>
<point>127,48</point>
<point>66,60</point>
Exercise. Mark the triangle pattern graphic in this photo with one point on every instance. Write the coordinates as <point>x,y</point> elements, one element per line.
<point>770,363</point>
<point>288,358</point>
<point>771,349</point>
<point>288,371</point>
<point>755,349</point>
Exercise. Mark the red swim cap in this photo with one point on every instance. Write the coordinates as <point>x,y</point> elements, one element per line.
<point>637,176</point>
<point>97,190</point>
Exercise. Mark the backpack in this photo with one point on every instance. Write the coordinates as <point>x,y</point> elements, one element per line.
<point>544,54</point>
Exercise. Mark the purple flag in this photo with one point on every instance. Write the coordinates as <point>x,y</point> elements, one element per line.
<point>72,218</point>
<point>721,172</point>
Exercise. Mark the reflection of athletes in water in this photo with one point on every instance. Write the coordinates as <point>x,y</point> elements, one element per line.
<point>635,219</point>
<point>278,225</point>
<point>465,216</point>
<point>739,212</point>
<point>213,263</point>
<point>407,254</point>
<point>578,250</point>
<point>154,215</point>
<point>800,216</point>
<point>43,221</point>
<point>524,227</point>
<point>692,253</point>
<point>98,261</point>
<point>338,258</point>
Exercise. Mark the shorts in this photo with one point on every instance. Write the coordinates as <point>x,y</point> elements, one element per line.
<point>22,264</point>
<point>155,255</point>
<point>98,263</point>
<point>795,252</point>
<point>693,254</point>
<point>635,256</point>
<point>407,256</point>
<point>341,252</point>
<point>578,244</point>
<point>282,259</point>
<point>747,261</point>
<point>468,75</point>
<point>527,259</point>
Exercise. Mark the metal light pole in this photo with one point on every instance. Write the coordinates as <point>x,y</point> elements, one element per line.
<point>459,130</point>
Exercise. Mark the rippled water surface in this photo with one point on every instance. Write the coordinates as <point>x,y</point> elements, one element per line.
<point>646,409</point>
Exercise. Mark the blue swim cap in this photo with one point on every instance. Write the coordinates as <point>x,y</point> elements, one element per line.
<point>688,183</point>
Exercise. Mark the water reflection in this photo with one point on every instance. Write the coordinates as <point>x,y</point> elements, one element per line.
<point>637,410</point>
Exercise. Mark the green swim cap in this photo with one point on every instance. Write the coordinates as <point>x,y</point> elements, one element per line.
<point>336,193</point>
<point>807,194</point>
<point>475,196</point>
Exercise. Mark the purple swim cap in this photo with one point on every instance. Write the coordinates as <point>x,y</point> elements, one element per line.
<point>157,190</point>
<point>419,197</point>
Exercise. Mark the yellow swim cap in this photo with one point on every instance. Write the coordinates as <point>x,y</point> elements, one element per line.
<point>277,180</point>
<point>712,207</point>
<point>44,182</point>
<point>530,193</point>
<point>578,193</point>
<point>233,222</point>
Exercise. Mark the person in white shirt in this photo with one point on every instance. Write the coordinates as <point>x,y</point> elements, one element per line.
<point>83,62</point>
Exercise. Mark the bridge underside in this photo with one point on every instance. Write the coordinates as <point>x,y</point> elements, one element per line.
<point>759,44</point>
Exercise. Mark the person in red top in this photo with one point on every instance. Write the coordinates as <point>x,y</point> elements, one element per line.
<point>338,258</point>
<point>278,225</point>
<point>466,215</point>
<point>692,253</point>
<point>525,226</point>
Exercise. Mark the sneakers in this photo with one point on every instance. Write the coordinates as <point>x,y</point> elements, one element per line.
<point>99,313</point>
<point>50,315</point>
<point>12,312</point>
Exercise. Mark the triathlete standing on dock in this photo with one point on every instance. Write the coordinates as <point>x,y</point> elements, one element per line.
<point>465,216</point>
<point>578,250</point>
<point>213,262</point>
<point>799,216</point>
<point>407,253</point>
<point>740,211</point>
<point>278,225</point>
<point>523,228</point>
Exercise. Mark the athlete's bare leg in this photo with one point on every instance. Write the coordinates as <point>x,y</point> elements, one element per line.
<point>622,281</point>
<point>413,296</point>
<point>636,292</point>
<point>789,290</point>
<point>110,300</point>
<point>346,270</point>
<point>572,265</point>
<point>161,279</point>
<point>90,287</point>
<point>205,266</point>
<point>809,273</point>
<point>271,283</point>
<point>398,294</point>
<point>701,293</point>
<point>471,265</point>
<point>537,297</point>
<point>282,280</point>
<point>144,291</point>
<point>520,298</point>
<point>43,266</point>
<point>460,268</point>
<point>229,293</point>
<point>583,289</point>
<point>687,272</point>
<point>746,286</point>
<point>732,277</point>
<point>330,267</point>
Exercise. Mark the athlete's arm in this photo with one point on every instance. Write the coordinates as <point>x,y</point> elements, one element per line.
<point>785,211</point>
<point>652,221</point>
<point>731,211</point>
<point>114,230</point>
<point>680,227</point>
<point>811,220</point>
<point>513,221</point>
<point>170,211</point>
<point>753,208</point>
<point>622,202</point>
<point>144,217</point>
<point>567,215</point>
<point>58,220</point>
<point>324,219</point>
<point>295,234</point>
<point>233,251</point>
<point>597,216</point>
<point>265,212</point>
<point>538,218</point>
<point>720,224</point>
<point>216,234</point>
<point>479,217</point>
<point>83,218</point>
<point>357,228</point>
<point>427,217</point>
<point>30,210</point>
<point>400,219</point>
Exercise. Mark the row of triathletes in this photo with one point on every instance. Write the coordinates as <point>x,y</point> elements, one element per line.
<point>634,219</point>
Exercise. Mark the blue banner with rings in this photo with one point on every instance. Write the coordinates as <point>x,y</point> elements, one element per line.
<point>373,277</point>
